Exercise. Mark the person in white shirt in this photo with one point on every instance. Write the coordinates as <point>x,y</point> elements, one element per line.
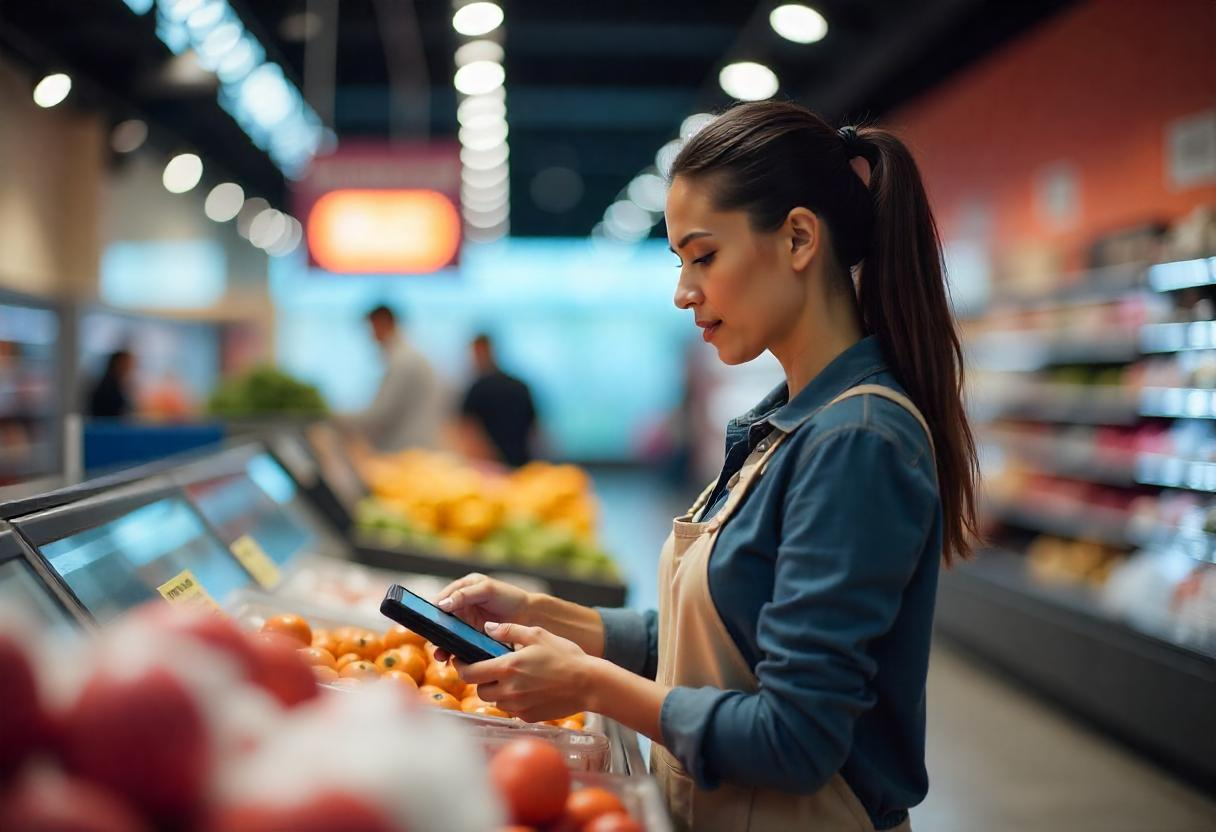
<point>410,407</point>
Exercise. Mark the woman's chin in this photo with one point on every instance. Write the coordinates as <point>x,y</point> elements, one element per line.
<point>732,356</point>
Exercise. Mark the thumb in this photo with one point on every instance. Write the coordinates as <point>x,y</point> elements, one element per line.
<point>513,633</point>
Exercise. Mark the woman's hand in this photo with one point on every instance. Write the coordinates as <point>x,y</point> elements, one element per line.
<point>477,599</point>
<point>547,677</point>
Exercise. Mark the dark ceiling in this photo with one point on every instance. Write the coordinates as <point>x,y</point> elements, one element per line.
<point>594,86</point>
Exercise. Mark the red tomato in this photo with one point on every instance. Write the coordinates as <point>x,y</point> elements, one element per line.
<point>281,671</point>
<point>23,725</point>
<point>533,779</point>
<point>143,738</point>
<point>614,822</point>
<point>55,803</point>
<point>218,632</point>
<point>322,813</point>
<point>585,805</point>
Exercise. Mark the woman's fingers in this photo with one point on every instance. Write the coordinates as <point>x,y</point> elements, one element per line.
<point>459,583</point>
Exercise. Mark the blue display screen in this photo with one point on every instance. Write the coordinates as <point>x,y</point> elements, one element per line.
<point>260,503</point>
<point>452,624</point>
<point>119,564</point>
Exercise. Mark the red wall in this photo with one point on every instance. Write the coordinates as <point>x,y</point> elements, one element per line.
<point>1094,87</point>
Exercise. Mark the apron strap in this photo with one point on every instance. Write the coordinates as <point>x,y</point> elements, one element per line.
<point>752,469</point>
<point>702,500</point>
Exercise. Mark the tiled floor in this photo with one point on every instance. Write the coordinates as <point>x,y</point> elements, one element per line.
<point>999,759</point>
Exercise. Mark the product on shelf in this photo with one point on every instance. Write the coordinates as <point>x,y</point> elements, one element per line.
<point>1054,559</point>
<point>266,391</point>
<point>539,515</point>
<point>1168,594</point>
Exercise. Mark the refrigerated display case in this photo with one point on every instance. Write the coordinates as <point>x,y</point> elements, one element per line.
<point>31,372</point>
<point>1092,410</point>
<point>27,591</point>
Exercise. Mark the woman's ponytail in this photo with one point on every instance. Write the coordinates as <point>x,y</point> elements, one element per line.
<point>903,300</point>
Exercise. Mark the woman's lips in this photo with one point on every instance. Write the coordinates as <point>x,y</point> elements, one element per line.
<point>707,333</point>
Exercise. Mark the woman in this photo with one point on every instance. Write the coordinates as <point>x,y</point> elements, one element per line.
<point>783,678</point>
<point>111,397</point>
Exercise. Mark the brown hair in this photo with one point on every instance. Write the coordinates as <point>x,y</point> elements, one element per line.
<point>767,158</point>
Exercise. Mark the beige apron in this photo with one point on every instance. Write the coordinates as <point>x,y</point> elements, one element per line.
<point>696,650</point>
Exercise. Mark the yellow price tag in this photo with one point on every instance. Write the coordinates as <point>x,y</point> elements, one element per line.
<point>184,588</point>
<point>256,562</point>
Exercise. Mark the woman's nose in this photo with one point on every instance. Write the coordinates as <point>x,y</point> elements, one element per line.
<point>686,295</point>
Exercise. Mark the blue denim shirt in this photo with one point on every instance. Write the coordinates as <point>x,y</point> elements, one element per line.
<point>825,578</point>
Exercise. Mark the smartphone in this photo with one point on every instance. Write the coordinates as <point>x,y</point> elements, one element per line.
<point>440,628</point>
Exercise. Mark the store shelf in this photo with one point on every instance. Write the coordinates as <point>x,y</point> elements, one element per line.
<point>1151,693</point>
<point>1071,458</point>
<point>1179,337</point>
<point>1182,274</point>
<point>1194,543</point>
<point>1025,351</point>
<point>1088,288</point>
<point>1178,403</point>
<point>1175,472</point>
<point>1053,402</point>
<point>1062,519</point>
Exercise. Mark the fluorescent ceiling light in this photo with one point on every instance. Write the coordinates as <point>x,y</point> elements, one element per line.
<point>693,125</point>
<point>486,138</point>
<point>628,217</point>
<point>649,192</point>
<point>128,136</point>
<point>479,77</point>
<point>798,23</point>
<point>481,106</point>
<point>487,178</point>
<point>479,50</point>
<point>182,173</point>
<point>52,89</point>
<point>666,156</point>
<point>487,219</point>
<point>748,81</point>
<point>476,19</point>
<point>224,202</point>
<point>267,228</point>
<point>485,159</point>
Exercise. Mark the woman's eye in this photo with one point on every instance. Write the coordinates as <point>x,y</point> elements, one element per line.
<point>705,260</point>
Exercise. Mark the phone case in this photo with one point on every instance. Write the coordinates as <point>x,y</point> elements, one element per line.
<point>392,607</point>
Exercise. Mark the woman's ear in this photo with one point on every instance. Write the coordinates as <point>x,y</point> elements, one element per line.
<point>803,229</point>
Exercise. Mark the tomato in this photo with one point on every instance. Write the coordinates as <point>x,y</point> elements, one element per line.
<point>408,660</point>
<point>290,625</point>
<point>585,805</point>
<point>325,675</point>
<point>401,678</point>
<point>217,632</point>
<point>326,640</point>
<point>321,813</point>
<point>570,725</point>
<point>361,669</point>
<point>439,698</point>
<point>317,656</point>
<point>477,705</point>
<point>367,644</point>
<point>51,802</point>
<point>346,658</point>
<point>444,676</point>
<point>532,777</point>
<point>281,671</point>
<point>614,822</point>
<point>399,636</point>
<point>23,725</point>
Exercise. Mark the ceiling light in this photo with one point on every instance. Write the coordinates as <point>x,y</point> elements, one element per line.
<point>479,50</point>
<point>224,202</point>
<point>798,23</point>
<point>693,125</point>
<point>666,156</point>
<point>487,219</point>
<point>52,89</point>
<point>182,173</point>
<point>207,16</point>
<point>628,217</point>
<point>649,192</point>
<point>484,159</point>
<point>128,136</point>
<point>479,77</point>
<point>485,122</point>
<point>487,178</point>
<point>486,138</point>
<point>252,208</point>
<point>748,81</point>
<point>493,194</point>
<point>290,239</point>
<point>479,106</point>
<point>267,228</point>
<point>477,19</point>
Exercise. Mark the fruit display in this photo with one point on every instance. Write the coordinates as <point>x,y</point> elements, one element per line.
<point>165,720</point>
<point>540,515</point>
<point>266,391</point>
<point>1057,560</point>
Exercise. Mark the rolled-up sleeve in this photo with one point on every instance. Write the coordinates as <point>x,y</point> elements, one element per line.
<point>631,639</point>
<point>853,526</point>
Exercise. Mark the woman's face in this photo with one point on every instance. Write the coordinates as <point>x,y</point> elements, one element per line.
<point>740,284</point>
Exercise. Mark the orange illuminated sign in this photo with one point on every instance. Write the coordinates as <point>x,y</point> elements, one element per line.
<point>383,231</point>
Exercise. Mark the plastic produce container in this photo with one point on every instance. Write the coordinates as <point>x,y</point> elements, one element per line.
<point>639,794</point>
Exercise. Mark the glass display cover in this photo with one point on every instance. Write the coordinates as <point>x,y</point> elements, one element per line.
<point>23,592</point>
<point>126,561</point>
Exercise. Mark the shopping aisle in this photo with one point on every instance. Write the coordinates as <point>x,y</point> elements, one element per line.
<point>1001,759</point>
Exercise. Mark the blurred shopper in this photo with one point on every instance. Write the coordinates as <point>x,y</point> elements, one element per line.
<point>112,397</point>
<point>408,409</point>
<point>498,415</point>
<point>783,676</point>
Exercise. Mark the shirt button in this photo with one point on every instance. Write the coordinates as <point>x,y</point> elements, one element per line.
<point>763,446</point>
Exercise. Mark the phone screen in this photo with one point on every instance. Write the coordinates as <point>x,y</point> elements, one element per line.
<point>451,623</point>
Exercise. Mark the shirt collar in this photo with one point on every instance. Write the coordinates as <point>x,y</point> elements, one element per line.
<point>850,368</point>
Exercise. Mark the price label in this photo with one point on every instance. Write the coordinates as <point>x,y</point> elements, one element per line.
<point>256,562</point>
<point>183,588</point>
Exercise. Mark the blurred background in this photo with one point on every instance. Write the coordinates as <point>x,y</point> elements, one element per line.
<point>202,200</point>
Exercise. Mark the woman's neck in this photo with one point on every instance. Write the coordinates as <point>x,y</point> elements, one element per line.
<point>824,331</point>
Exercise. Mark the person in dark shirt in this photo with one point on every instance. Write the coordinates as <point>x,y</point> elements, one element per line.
<point>111,396</point>
<point>497,411</point>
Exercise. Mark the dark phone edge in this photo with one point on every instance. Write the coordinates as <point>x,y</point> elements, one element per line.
<point>465,651</point>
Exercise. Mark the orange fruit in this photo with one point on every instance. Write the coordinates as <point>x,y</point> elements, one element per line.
<point>477,706</point>
<point>325,675</point>
<point>326,640</point>
<point>317,656</point>
<point>345,659</point>
<point>399,636</point>
<point>290,625</point>
<point>444,676</point>
<point>533,780</point>
<point>580,718</point>
<point>366,644</point>
<point>585,805</point>
<point>570,725</point>
<point>439,698</point>
<point>406,659</point>
<point>349,683</point>
<point>400,678</point>
<point>361,669</point>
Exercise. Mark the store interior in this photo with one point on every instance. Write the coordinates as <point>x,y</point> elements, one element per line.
<point>201,201</point>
